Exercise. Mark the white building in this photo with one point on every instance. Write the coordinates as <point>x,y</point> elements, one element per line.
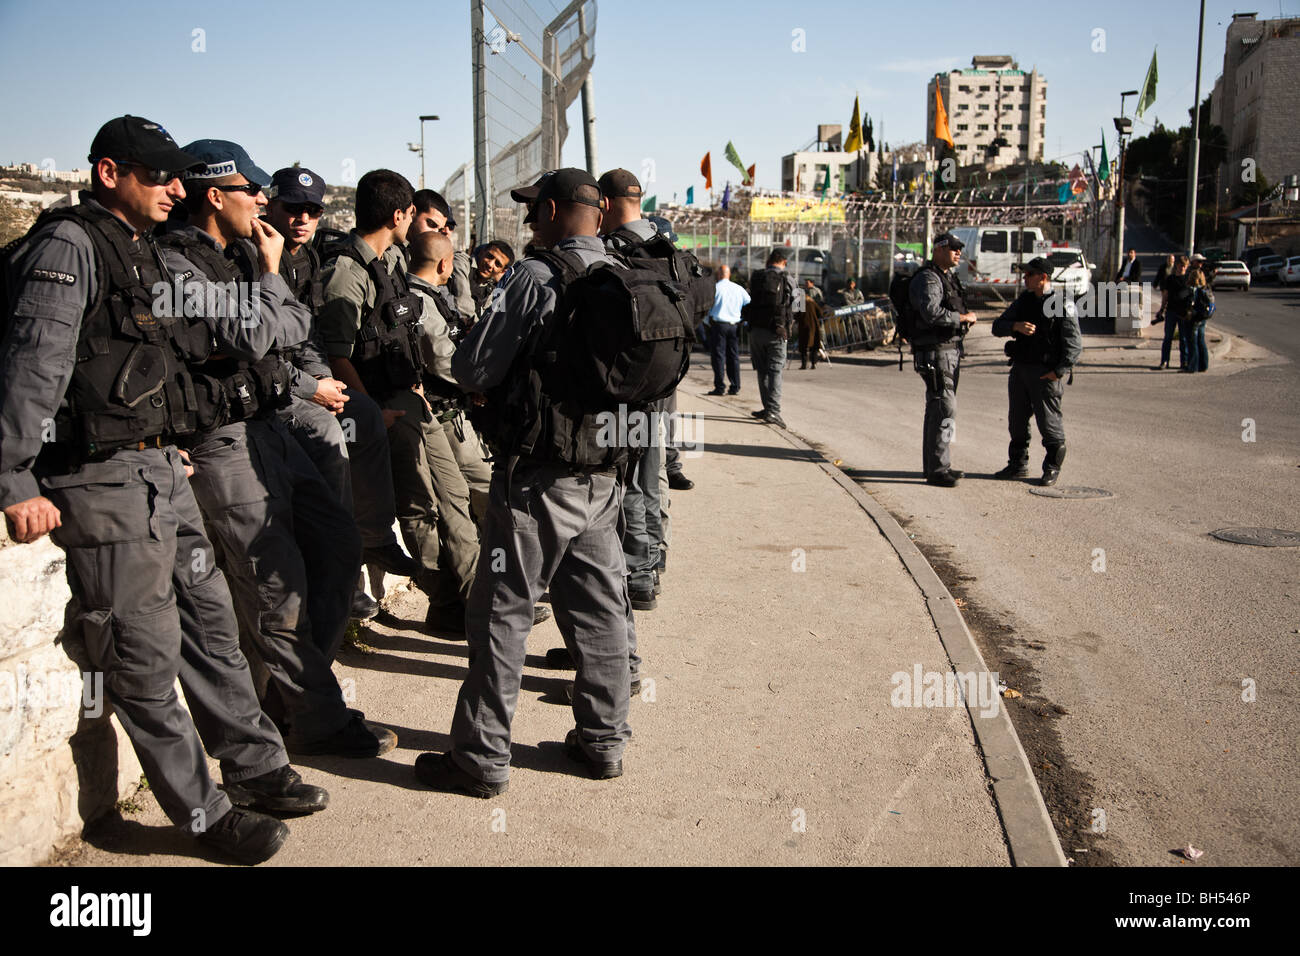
<point>804,172</point>
<point>993,98</point>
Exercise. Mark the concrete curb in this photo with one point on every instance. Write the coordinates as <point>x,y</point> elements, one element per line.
<point>1030,835</point>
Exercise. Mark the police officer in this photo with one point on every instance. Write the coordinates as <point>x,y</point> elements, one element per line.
<point>430,258</point>
<point>852,294</point>
<point>96,384</point>
<point>623,229</point>
<point>1044,347</point>
<point>370,324</point>
<point>296,205</point>
<point>289,549</point>
<point>556,525</point>
<point>774,301</point>
<point>939,306</point>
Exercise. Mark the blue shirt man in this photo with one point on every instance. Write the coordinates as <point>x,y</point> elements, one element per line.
<point>724,333</point>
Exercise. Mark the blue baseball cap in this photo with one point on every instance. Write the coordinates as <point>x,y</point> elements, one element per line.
<point>664,227</point>
<point>224,158</point>
<point>297,185</point>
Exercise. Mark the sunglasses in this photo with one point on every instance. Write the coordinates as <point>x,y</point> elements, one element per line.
<point>251,188</point>
<point>159,177</point>
<point>308,209</point>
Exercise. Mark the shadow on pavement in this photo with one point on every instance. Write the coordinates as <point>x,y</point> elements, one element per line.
<point>116,834</point>
<point>762,451</point>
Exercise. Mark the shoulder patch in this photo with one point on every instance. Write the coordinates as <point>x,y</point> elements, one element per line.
<point>49,275</point>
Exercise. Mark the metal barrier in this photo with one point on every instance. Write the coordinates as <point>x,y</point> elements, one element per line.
<point>849,327</point>
<point>862,326</point>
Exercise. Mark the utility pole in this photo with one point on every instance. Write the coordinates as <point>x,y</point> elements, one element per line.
<point>588,101</point>
<point>483,198</point>
<point>1193,168</point>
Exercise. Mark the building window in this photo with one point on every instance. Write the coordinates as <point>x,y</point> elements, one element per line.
<point>1006,127</point>
<point>984,106</point>
<point>982,126</point>
<point>1042,110</point>
<point>963,106</point>
<point>1041,129</point>
<point>984,89</point>
<point>962,126</point>
<point>963,89</point>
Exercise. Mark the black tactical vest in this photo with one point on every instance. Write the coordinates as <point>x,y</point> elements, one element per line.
<point>252,389</point>
<point>304,278</point>
<point>386,354</point>
<point>1044,346</point>
<point>132,381</point>
<point>441,393</point>
<point>954,299</point>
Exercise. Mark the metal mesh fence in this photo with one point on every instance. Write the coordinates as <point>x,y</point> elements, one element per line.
<point>535,55</point>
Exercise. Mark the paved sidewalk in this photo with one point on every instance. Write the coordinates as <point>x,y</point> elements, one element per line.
<point>766,737</point>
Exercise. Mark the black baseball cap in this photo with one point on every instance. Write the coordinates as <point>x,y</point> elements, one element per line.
<point>134,139</point>
<point>295,185</point>
<point>561,185</point>
<point>221,158</point>
<point>619,183</point>
<point>1038,266</point>
<point>949,240</point>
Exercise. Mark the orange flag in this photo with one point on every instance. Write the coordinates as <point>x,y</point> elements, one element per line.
<point>941,119</point>
<point>706,170</point>
<point>749,181</point>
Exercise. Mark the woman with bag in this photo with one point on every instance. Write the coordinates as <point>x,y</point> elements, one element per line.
<point>1199,310</point>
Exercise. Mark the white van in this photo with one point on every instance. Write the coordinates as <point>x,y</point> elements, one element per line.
<point>992,253</point>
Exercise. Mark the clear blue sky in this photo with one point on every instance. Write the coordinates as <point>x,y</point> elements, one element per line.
<point>346,81</point>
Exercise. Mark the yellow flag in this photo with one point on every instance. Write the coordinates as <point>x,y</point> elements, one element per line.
<point>854,142</point>
<point>941,119</point>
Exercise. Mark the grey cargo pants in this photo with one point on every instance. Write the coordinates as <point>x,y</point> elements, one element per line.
<point>153,606</point>
<point>939,369</point>
<point>318,431</point>
<point>292,556</point>
<point>370,466</point>
<point>432,502</point>
<point>552,529</point>
<point>1030,395</point>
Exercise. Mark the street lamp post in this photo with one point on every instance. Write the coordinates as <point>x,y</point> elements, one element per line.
<point>420,149</point>
<point>1124,127</point>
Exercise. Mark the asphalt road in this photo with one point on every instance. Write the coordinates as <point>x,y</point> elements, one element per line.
<point>1158,664</point>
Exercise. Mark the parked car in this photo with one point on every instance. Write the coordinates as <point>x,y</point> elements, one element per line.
<point>1070,269</point>
<point>1255,253</point>
<point>1231,274</point>
<point>1266,267</point>
<point>1289,274</point>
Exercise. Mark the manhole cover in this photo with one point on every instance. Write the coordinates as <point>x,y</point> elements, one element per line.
<point>1073,491</point>
<point>1260,537</point>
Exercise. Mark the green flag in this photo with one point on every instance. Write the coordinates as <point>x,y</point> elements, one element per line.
<point>1103,169</point>
<point>650,204</point>
<point>1148,94</point>
<point>826,185</point>
<point>733,157</point>
<point>690,195</point>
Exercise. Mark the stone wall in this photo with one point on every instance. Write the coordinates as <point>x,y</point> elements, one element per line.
<point>63,760</point>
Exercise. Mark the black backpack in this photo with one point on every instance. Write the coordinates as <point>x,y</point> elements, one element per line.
<point>618,340</point>
<point>900,296</point>
<point>771,305</point>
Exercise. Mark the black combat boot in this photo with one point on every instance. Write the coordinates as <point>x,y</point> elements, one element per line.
<point>1052,462</point>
